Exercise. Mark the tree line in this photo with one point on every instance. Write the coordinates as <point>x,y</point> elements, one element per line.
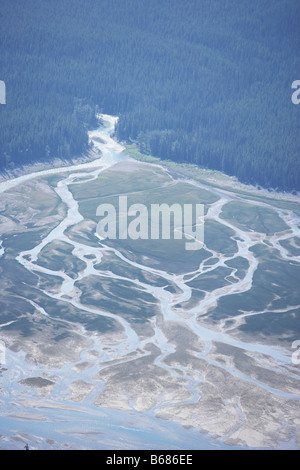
<point>200,81</point>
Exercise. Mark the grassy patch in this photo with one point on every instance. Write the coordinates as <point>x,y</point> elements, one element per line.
<point>133,151</point>
<point>252,217</point>
<point>110,262</point>
<point>209,281</point>
<point>57,256</point>
<point>240,264</point>
<point>219,238</point>
<point>292,245</point>
<point>167,255</point>
<point>285,326</point>
<point>117,296</point>
<point>275,286</point>
<point>116,182</point>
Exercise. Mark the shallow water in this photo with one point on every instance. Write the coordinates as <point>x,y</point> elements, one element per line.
<point>87,426</point>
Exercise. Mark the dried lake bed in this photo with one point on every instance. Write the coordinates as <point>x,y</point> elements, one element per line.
<point>140,343</point>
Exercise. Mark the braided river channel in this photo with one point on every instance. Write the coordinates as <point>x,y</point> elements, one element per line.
<point>106,346</point>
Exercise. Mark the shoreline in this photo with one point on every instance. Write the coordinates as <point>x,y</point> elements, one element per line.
<point>57,163</point>
<point>168,381</point>
<point>214,178</point>
<point>209,177</point>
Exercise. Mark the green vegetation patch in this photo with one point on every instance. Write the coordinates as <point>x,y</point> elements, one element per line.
<point>252,217</point>
<point>275,286</point>
<point>23,241</point>
<point>146,186</point>
<point>57,256</point>
<point>37,382</point>
<point>117,296</point>
<point>165,255</point>
<point>133,151</point>
<point>196,296</point>
<point>15,315</point>
<point>110,262</point>
<point>285,326</point>
<point>84,233</point>
<point>219,238</point>
<point>292,245</point>
<point>115,182</point>
<point>181,193</point>
<point>239,264</point>
<point>211,280</point>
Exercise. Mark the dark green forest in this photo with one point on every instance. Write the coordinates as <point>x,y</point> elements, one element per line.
<point>200,81</point>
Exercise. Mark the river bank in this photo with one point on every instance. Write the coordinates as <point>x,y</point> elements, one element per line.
<point>181,364</point>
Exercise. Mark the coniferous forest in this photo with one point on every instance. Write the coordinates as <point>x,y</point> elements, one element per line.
<point>200,81</point>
